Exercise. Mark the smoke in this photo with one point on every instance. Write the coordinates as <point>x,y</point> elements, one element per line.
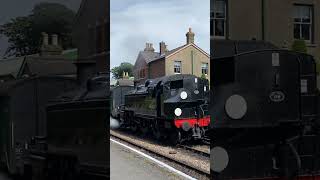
<point>114,123</point>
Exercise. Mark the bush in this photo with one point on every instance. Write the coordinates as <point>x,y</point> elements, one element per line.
<point>299,46</point>
<point>203,76</point>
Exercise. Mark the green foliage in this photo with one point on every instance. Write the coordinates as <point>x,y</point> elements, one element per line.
<point>299,46</point>
<point>72,55</point>
<point>117,72</point>
<point>18,31</point>
<point>24,33</point>
<point>203,76</point>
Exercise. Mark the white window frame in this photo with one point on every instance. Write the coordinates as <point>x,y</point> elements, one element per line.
<point>304,23</point>
<point>176,67</point>
<point>205,67</point>
<point>213,19</point>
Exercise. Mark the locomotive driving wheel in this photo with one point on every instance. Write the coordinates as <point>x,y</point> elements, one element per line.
<point>144,128</point>
<point>156,131</point>
<point>175,137</point>
<point>133,123</point>
<point>134,127</point>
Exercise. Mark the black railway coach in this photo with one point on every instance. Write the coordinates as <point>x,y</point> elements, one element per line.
<point>264,116</point>
<point>174,106</point>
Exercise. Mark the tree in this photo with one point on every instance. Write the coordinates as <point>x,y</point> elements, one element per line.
<point>18,31</point>
<point>117,72</point>
<point>299,46</point>
<point>54,18</point>
<point>24,33</point>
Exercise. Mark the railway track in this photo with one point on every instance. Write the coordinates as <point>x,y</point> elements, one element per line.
<point>195,150</point>
<point>187,166</point>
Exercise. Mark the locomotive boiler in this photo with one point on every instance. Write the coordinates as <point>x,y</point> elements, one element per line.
<point>264,115</point>
<point>173,107</point>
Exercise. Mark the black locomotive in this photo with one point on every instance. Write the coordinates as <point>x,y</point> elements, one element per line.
<point>264,116</point>
<point>44,139</point>
<point>76,127</point>
<point>174,107</point>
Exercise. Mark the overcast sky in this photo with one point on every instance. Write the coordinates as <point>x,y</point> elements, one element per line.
<point>13,8</point>
<point>135,22</point>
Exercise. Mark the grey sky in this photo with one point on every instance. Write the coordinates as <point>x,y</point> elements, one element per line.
<point>135,22</point>
<point>13,8</point>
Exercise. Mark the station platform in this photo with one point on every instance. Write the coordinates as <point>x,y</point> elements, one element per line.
<point>126,164</point>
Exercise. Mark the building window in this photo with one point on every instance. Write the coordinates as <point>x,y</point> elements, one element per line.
<point>218,19</point>
<point>204,68</point>
<point>177,67</point>
<point>303,22</point>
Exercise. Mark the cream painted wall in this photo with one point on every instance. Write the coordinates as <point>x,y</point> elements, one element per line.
<point>185,57</point>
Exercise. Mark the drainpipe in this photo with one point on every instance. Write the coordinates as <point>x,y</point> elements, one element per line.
<point>263,19</point>
<point>148,71</point>
<point>192,62</point>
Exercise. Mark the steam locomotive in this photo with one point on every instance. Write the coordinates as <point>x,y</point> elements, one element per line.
<point>173,107</point>
<point>264,116</point>
<point>50,126</point>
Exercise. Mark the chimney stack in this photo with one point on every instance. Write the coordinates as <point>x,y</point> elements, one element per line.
<point>52,49</point>
<point>55,40</point>
<point>45,40</point>
<point>163,47</point>
<point>149,47</point>
<point>190,36</point>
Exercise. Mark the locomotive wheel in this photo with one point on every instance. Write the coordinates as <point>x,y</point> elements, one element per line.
<point>133,123</point>
<point>134,127</point>
<point>156,132</point>
<point>175,137</point>
<point>144,129</point>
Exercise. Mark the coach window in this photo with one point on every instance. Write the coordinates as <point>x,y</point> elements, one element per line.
<point>204,68</point>
<point>303,22</point>
<point>218,19</point>
<point>177,67</point>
